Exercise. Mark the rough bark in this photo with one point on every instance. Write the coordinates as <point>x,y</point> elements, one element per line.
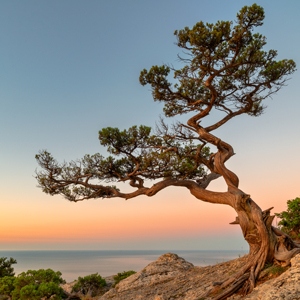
<point>266,243</point>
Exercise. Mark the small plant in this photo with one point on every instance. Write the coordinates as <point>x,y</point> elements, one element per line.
<point>89,285</point>
<point>5,266</point>
<point>276,270</point>
<point>290,219</point>
<point>122,276</point>
<point>267,265</point>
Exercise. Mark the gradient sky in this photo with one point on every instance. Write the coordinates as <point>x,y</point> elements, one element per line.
<point>69,68</point>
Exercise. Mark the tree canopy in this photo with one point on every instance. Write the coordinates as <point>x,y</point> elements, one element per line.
<point>225,68</point>
<point>290,219</point>
<point>6,268</point>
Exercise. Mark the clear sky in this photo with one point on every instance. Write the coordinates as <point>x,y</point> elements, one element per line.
<point>69,68</point>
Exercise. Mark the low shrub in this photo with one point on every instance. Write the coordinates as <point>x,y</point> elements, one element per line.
<point>89,285</point>
<point>276,270</point>
<point>122,276</point>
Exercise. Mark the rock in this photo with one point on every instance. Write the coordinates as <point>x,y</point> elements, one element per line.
<point>68,286</point>
<point>286,286</point>
<point>109,280</point>
<point>171,277</point>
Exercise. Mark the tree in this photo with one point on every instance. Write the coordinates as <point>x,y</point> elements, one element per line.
<point>226,69</point>
<point>38,284</point>
<point>7,286</point>
<point>33,285</point>
<point>290,219</point>
<point>5,266</point>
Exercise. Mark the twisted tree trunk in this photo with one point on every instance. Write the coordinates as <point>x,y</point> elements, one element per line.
<point>266,243</point>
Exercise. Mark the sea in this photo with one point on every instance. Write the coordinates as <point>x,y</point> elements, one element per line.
<point>73,264</point>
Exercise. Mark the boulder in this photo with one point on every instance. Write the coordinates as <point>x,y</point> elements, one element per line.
<point>171,277</point>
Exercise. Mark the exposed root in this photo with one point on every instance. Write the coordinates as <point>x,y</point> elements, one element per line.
<point>285,248</point>
<point>248,280</point>
<point>297,244</point>
<point>243,278</point>
<point>292,244</point>
<point>267,244</point>
<point>286,256</point>
<point>233,288</point>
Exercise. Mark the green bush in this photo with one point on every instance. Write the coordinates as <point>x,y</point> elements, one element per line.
<point>34,285</point>
<point>5,266</point>
<point>7,285</point>
<point>90,284</point>
<point>290,219</point>
<point>122,276</point>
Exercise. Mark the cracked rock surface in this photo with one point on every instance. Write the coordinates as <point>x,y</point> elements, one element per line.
<point>284,287</point>
<point>172,277</point>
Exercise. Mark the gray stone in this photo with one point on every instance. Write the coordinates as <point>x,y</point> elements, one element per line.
<point>171,277</point>
<point>286,286</point>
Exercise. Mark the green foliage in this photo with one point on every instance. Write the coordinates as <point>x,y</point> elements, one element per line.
<point>5,266</point>
<point>89,284</point>
<point>267,265</point>
<point>290,219</point>
<point>226,69</point>
<point>7,285</point>
<point>231,58</point>
<point>276,270</point>
<point>33,285</point>
<point>122,276</point>
<point>134,151</point>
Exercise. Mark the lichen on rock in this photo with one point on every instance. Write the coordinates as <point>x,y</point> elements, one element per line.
<point>284,287</point>
<point>172,277</point>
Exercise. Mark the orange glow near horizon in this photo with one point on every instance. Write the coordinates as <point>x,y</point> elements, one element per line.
<point>173,213</point>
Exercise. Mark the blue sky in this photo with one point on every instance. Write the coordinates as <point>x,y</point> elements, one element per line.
<point>69,68</point>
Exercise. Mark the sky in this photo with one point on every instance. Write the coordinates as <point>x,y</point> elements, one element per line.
<point>69,68</point>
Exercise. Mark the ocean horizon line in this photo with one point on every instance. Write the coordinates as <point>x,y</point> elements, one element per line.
<point>75,263</point>
<point>74,250</point>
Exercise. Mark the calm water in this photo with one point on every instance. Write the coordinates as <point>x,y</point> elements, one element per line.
<point>81,263</point>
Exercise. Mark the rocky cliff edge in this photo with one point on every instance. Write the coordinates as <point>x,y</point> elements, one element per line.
<point>172,277</point>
